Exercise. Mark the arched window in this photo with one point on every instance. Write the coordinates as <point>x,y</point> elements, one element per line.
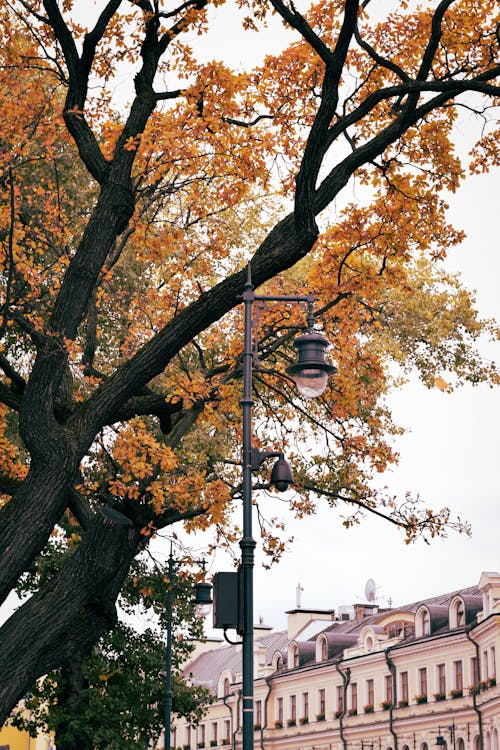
<point>460,744</point>
<point>476,744</point>
<point>324,649</point>
<point>495,739</point>
<point>424,746</point>
<point>278,662</point>
<point>426,622</point>
<point>225,686</point>
<point>294,656</point>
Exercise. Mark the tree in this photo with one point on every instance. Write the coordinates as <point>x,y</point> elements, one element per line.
<point>114,698</point>
<point>120,287</point>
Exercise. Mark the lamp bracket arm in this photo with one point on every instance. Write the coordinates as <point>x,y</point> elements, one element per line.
<point>233,643</point>
<point>258,457</point>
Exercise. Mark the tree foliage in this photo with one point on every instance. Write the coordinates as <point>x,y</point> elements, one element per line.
<point>124,236</point>
<point>115,696</point>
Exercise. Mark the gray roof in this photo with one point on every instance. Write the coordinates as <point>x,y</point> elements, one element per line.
<point>207,667</point>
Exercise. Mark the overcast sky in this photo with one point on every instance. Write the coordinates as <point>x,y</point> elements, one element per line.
<point>450,455</point>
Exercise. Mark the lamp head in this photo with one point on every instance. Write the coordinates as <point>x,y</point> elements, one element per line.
<point>281,475</point>
<point>311,371</point>
<point>203,598</point>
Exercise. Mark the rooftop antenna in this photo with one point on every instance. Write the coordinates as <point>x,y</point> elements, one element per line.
<point>298,595</point>
<point>370,590</point>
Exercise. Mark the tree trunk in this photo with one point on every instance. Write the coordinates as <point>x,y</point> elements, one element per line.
<point>69,613</point>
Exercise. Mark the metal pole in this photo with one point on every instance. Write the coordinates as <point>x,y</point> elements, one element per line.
<point>168,654</point>
<point>247,544</point>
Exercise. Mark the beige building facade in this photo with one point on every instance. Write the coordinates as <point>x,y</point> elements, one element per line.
<point>419,677</point>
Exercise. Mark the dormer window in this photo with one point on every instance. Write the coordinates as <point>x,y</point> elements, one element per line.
<point>321,648</point>
<point>277,661</point>
<point>422,622</point>
<point>293,656</point>
<point>426,623</point>
<point>324,649</point>
<point>457,613</point>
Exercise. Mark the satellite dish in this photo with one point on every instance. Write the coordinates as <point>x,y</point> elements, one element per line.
<point>370,590</point>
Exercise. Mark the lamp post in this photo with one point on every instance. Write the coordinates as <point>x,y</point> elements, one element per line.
<point>440,740</point>
<point>202,601</point>
<point>311,374</point>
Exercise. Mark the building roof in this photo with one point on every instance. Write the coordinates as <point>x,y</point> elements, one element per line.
<point>341,634</point>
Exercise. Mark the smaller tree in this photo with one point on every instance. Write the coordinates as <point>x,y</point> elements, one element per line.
<point>114,697</point>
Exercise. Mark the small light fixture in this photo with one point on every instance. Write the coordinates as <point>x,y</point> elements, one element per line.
<point>281,475</point>
<point>311,371</point>
<point>440,740</point>
<point>203,598</point>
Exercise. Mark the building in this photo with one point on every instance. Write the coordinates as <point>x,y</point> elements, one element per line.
<point>13,739</point>
<point>410,678</point>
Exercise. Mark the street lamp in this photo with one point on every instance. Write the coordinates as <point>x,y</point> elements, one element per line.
<point>202,600</point>
<point>310,373</point>
<point>440,740</point>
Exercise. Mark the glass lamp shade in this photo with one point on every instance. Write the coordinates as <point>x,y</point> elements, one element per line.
<point>311,383</point>
<point>311,371</point>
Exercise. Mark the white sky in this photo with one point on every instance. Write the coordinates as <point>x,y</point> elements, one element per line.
<point>450,456</point>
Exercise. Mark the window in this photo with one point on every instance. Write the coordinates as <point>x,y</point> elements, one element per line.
<point>354,697</point>
<point>474,670</point>
<point>459,675</point>
<point>389,694</point>
<point>493,666</point>
<point>485,665</point>
<point>305,705</point>
<point>460,744</point>
<point>399,629</point>
<point>340,699</point>
<point>225,686</point>
<point>293,708</point>
<point>324,649</point>
<point>370,693</point>
<point>441,678</point>
<point>226,732</point>
<point>187,736</point>
<point>426,623</point>
<point>279,710</point>
<point>279,662</point>
<point>422,681</point>
<point>294,656</point>
<point>460,613</point>
<point>201,735</point>
<point>258,713</point>
<point>322,701</point>
<point>404,686</point>
<point>213,734</point>
<point>173,738</point>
